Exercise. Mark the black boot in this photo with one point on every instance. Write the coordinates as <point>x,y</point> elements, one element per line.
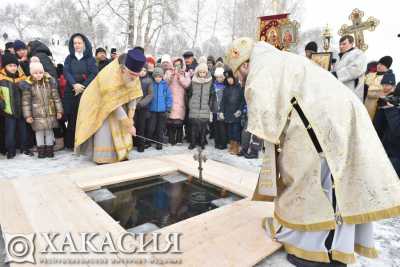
<point>172,135</point>
<point>252,155</point>
<point>41,152</point>
<point>11,154</point>
<point>179,135</point>
<point>49,152</point>
<point>159,147</point>
<point>140,148</point>
<point>28,152</point>
<point>192,146</point>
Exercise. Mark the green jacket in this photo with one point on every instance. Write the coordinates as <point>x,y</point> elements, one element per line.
<point>10,94</point>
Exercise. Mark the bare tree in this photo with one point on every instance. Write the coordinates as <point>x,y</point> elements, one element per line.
<point>144,19</point>
<point>18,16</point>
<point>92,11</point>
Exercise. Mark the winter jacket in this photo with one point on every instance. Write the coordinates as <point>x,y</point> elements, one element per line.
<point>162,97</point>
<point>11,93</point>
<point>216,93</point>
<point>350,70</point>
<point>40,50</point>
<point>199,97</point>
<point>41,101</point>
<point>387,125</point>
<point>178,84</point>
<point>81,71</point>
<point>147,89</point>
<point>232,101</point>
<point>101,64</point>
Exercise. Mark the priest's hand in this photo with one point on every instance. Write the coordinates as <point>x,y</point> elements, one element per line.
<point>132,131</point>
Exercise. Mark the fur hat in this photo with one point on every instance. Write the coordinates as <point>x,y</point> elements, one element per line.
<point>386,61</point>
<point>312,46</point>
<point>158,72</point>
<point>35,65</point>
<point>239,52</point>
<point>219,72</point>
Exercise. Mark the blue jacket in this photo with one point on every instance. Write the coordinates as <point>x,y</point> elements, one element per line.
<point>162,97</point>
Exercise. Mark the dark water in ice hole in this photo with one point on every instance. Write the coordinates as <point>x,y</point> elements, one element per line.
<point>158,201</point>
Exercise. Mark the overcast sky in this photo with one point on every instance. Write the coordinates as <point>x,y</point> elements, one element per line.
<point>383,41</point>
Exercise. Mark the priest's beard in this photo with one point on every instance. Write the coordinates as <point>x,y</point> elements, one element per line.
<point>128,81</point>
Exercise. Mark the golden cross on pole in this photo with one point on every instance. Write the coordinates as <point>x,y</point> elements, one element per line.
<point>358,28</point>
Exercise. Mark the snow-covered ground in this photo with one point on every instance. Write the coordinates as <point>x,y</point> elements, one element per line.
<point>387,233</point>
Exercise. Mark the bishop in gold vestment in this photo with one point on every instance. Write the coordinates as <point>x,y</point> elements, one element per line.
<point>324,167</point>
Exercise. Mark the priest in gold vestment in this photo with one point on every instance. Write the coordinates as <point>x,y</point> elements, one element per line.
<point>104,126</point>
<point>324,167</point>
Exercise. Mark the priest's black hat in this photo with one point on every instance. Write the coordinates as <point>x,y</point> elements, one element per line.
<point>135,60</point>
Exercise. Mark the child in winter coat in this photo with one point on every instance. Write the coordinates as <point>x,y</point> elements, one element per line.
<point>219,126</point>
<point>231,110</point>
<point>10,103</point>
<point>41,106</point>
<point>199,110</point>
<point>178,81</point>
<point>159,106</point>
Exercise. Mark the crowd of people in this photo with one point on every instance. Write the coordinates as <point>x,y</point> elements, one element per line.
<point>185,99</point>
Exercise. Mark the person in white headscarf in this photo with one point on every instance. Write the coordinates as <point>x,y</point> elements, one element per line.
<point>324,165</point>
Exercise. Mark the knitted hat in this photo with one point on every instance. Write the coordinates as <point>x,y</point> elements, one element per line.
<point>35,65</point>
<point>9,58</point>
<point>100,50</point>
<point>201,67</point>
<point>202,59</point>
<point>386,61</point>
<point>151,60</point>
<point>158,72</point>
<point>18,45</point>
<point>113,50</point>
<point>312,46</point>
<point>219,72</point>
<point>211,59</point>
<point>389,78</point>
<point>135,60</point>
<point>9,45</point>
<point>239,52</point>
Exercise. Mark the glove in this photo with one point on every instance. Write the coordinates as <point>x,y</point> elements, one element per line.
<point>237,114</point>
<point>221,116</point>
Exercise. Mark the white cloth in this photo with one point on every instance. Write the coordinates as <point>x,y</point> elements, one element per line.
<point>345,237</point>
<point>342,126</point>
<point>78,55</point>
<point>350,69</point>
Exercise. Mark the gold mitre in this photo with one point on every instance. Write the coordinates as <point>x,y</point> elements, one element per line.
<point>239,52</point>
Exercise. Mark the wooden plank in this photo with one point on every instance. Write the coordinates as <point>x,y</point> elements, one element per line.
<point>13,218</point>
<point>228,236</point>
